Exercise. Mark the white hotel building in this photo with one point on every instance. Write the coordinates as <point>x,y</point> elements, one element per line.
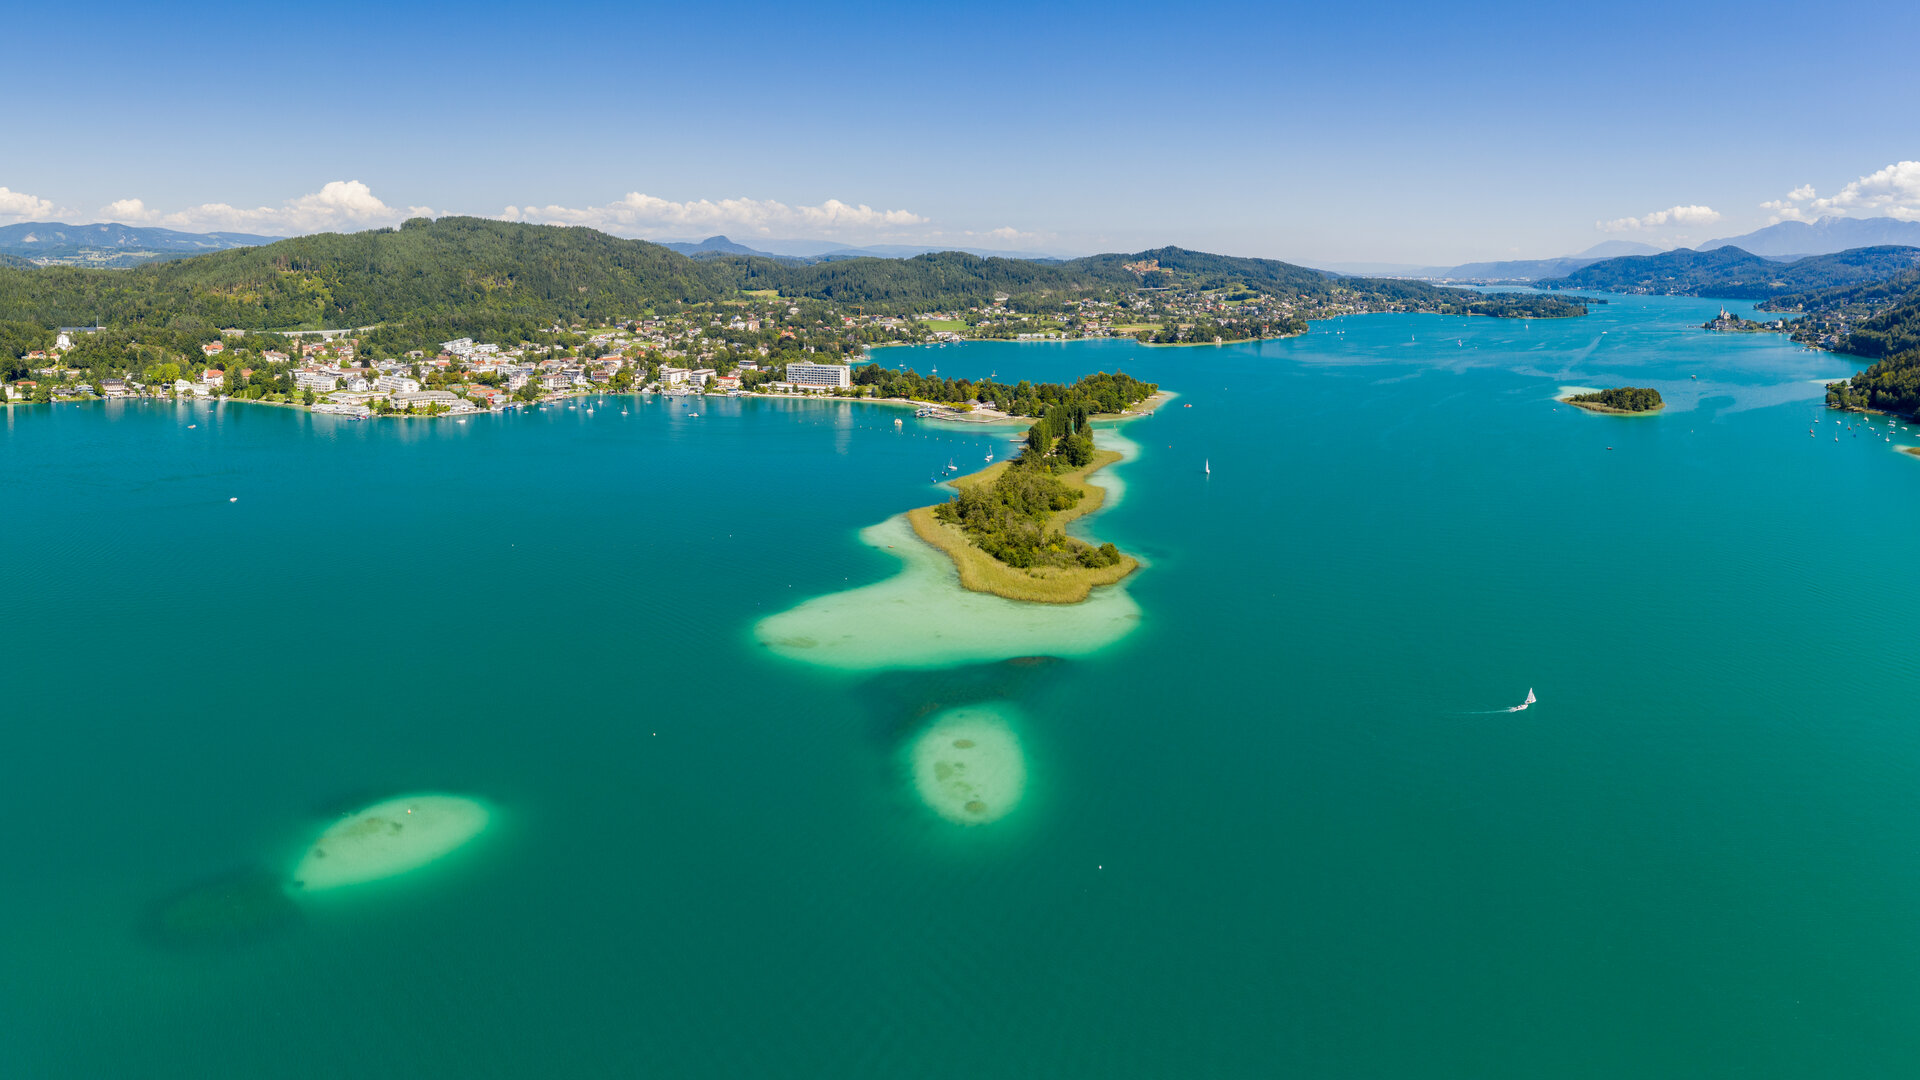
<point>820,376</point>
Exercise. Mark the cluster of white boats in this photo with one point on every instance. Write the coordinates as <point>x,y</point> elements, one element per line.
<point>1866,424</point>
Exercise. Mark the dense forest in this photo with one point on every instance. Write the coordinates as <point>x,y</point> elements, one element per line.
<point>1009,518</point>
<point>1892,385</point>
<point>482,278</point>
<point>1737,275</point>
<point>1623,398</point>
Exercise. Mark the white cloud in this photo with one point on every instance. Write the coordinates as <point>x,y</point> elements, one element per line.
<point>1891,192</point>
<point>125,211</point>
<point>638,213</point>
<point>338,204</point>
<point>351,204</point>
<point>1659,219</point>
<point>1784,210</point>
<point>24,207</point>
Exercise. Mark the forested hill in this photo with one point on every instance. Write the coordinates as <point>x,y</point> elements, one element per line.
<point>491,271</point>
<point>1891,332</point>
<point>1870,295</point>
<point>478,276</point>
<point>1735,274</point>
<point>1178,267</point>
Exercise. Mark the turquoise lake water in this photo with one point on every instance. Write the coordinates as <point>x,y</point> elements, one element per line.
<point>1271,826</point>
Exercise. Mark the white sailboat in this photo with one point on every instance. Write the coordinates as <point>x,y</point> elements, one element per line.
<point>1206,466</point>
<point>1530,700</point>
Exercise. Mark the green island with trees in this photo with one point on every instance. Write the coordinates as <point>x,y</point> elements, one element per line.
<point>1005,528</point>
<point>1619,400</point>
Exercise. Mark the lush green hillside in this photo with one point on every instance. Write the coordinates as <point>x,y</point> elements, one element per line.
<point>945,280</point>
<point>499,279</point>
<point>1198,269</point>
<point>477,268</point>
<point>1892,384</point>
<point>1892,332</point>
<point>1864,295</point>
<point>1736,274</point>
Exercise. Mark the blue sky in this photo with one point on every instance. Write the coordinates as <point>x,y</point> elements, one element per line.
<point>1418,133</point>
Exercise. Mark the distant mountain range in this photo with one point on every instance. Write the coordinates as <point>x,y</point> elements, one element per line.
<point>1737,274</point>
<point>813,251</point>
<point>1823,237</point>
<point>111,243</point>
<point>1508,270</point>
<point>1787,241</point>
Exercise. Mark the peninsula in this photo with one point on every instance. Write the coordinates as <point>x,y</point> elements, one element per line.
<point>1618,400</point>
<point>1005,529</point>
<point>1729,323</point>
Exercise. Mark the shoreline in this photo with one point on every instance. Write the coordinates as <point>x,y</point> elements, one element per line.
<point>1145,408</point>
<point>1223,344</point>
<point>1862,410</point>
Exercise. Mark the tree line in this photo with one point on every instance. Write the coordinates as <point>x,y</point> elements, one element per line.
<point>1098,393</point>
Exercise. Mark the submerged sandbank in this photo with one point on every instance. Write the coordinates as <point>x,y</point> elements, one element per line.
<point>227,911</point>
<point>922,618</point>
<point>387,839</point>
<point>968,766</point>
<point>1569,391</point>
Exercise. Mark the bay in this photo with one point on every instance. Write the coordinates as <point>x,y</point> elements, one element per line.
<point>1277,827</point>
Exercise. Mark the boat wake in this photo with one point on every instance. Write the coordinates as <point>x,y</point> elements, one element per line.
<point>1509,709</point>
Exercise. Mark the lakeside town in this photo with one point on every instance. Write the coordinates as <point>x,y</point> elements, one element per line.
<point>764,344</point>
